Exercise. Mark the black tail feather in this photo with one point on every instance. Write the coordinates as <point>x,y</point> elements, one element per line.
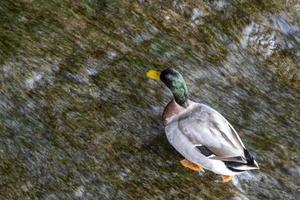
<point>249,158</point>
<point>232,165</point>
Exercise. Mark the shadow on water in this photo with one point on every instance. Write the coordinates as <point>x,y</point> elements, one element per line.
<point>79,119</point>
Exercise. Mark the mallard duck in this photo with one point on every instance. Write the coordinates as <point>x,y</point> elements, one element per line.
<point>201,134</point>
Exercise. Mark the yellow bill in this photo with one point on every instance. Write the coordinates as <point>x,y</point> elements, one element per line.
<point>153,74</point>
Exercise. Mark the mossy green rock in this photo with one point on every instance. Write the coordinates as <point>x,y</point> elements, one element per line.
<point>80,120</point>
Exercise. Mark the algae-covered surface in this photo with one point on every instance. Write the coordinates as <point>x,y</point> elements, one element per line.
<point>80,120</point>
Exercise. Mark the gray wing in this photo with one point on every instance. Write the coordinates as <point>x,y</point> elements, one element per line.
<point>211,133</point>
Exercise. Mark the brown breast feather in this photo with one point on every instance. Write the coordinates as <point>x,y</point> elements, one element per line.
<point>171,109</point>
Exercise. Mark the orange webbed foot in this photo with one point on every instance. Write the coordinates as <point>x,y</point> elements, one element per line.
<point>227,179</point>
<point>192,166</point>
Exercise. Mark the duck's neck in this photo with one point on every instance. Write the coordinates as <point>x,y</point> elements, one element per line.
<point>181,100</point>
<point>180,92</point>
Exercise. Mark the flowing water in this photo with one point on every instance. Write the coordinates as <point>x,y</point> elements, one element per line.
<point>80,120</point>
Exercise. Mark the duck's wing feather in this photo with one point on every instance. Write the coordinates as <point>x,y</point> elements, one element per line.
<point>211,133</point>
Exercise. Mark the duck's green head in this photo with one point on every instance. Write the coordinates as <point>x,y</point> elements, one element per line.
<point>174,81</point>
